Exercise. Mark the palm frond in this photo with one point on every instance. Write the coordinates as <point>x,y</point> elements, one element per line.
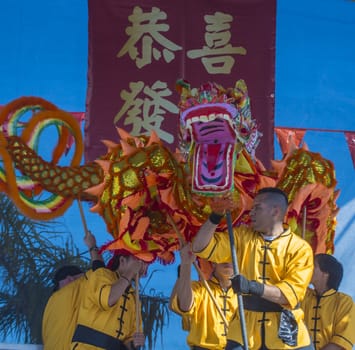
<point>155,315</point>
<point>28,259</point>
<point>30,252</point>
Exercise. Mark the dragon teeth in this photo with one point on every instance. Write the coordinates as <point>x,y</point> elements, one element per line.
<point>204,118</point>
<point>207,118</point>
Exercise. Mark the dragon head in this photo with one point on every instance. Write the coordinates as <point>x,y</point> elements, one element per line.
<point>216,124</point>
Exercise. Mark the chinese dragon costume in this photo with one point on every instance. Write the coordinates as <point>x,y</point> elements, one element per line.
<point>149,197</point>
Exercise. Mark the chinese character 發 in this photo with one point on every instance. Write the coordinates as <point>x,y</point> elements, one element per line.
<point>217,53</point>
<point>146,113</point>
<point>145,27</point>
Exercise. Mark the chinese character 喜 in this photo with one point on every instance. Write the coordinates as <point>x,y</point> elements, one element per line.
<point>217,54</point>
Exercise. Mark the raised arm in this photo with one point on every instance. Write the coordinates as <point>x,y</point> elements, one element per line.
<point>182,288</point>
<point>96,259</point>
<point>127,270</point>
<point>219,206</point>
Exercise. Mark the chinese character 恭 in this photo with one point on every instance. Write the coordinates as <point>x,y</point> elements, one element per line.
<point>147,113</point>
<point>217,53</point>
<point>145,27</point>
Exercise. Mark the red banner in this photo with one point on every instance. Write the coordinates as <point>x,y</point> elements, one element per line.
<point>138,49</point>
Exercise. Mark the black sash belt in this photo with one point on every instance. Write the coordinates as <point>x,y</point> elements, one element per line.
<point>93,337</point>
<point>255,303</point>
<point>197,348</point>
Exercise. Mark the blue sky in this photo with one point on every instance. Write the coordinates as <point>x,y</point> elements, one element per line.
<point>44,53</point>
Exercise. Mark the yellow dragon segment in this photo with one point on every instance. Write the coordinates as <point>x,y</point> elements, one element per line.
<point>309,181</point>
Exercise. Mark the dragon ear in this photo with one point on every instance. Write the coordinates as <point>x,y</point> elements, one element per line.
<point>240,93</point>
<point>182,86</point>
<point>241,86</point>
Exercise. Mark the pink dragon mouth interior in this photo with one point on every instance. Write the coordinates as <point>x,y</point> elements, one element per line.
<point>214,137</point>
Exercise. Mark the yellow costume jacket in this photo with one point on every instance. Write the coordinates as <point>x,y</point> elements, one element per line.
<point>61,313</point>
<point>285,262</point>
<point>95,314</point>
<point>330,318</point>
<point>206,327</point>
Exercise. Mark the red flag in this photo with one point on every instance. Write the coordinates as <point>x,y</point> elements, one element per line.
<point>288,138</point>
<point>350,139</point>
<point>80,117</point>
<point>138,50</point>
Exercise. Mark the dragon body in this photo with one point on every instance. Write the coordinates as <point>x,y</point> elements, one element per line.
<point>149,197</point>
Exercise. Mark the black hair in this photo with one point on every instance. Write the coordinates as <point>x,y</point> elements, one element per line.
<point>276,191</point>
<point>328,264</point>
<point>63,272</point>
<point>114,262</point>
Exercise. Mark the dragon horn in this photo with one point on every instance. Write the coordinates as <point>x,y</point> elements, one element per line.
<point>105,165</point>
<point>110,145</point>
<point>154,138</point>
<point>305,146</point>
<point>127,149</point>
<point>123,134</point>
<point>96,208</point>
<point>96,190</point>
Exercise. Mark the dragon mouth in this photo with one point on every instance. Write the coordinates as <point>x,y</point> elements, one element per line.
<point>213,167</point>
<point>213,131</point>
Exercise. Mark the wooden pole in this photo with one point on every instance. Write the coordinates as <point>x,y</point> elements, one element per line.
<point>182,243</point>
<point>236,272</point>
<point>83,217</point>
<point>152,185</point>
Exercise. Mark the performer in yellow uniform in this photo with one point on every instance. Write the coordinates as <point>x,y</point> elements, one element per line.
<point>276,267</point>
<point>329,314</point>
<point>191,299</point>
<point>107,314</point>
<point>62,306</point>
<point>61,311</point>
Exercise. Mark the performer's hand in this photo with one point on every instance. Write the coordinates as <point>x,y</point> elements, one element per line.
<point>89,240</point>
<point>186,255</point>
<point>220,204</point>
<point>242,285</point>
<point>138,339</point>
